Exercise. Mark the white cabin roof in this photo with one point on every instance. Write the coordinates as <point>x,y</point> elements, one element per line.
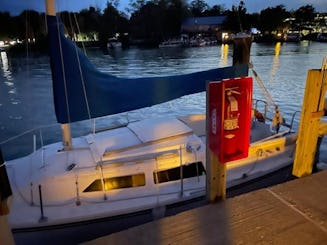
<point>135,134</point>
<point>158,128</point>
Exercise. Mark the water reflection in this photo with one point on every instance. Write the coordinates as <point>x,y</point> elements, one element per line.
<point>275,64</point>
<point>34,92</point>
<point>5,67</point>
<point>224,55</point>
<point>305,45</point>
<point>277,49</point>
<point>9,80</point>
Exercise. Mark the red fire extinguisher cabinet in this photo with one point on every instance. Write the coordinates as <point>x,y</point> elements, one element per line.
<point>229,112</point>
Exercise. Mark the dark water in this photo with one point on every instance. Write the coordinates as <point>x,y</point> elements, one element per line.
<point>26,92</point>
<point>26,105</point>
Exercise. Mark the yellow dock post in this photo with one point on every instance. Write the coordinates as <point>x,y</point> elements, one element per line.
<point>216,178</point>
<point>310,126</point>
<point>216,172</point>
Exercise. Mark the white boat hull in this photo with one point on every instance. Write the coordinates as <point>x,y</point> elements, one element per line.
<point>65,177</point>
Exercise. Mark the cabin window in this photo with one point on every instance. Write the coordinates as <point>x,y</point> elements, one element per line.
<point>117,183</point>
<point>191,170</point>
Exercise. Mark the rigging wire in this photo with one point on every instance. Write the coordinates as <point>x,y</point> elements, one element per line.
<point>80,71</point>
<point>27,42</point>
<point>277,119</point>
<point>82,76</point>
<point>26,132</point>
<point>79,32</point>
<point>259,81</point>
<point>261,85</point>
<point>63,69</point>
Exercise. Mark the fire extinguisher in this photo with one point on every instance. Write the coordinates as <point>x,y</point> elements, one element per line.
<point>232,112</point>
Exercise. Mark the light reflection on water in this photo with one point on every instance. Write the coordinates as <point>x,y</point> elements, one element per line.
<point>7,74</point>
<point>275,64</point>
<point>5,67</point>
<point>224,55</point>
<point>282,68</point>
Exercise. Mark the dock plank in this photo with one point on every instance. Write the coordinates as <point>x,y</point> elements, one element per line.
<point>290,213</point>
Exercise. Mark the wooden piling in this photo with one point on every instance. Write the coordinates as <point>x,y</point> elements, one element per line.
<point>216,179</point>
<point>241,49</point>
<point>6,237</point>
<point>215,171</point>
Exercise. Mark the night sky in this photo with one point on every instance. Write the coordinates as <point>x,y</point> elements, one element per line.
<point>15,7</point>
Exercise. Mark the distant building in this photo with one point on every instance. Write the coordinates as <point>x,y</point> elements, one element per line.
<point>203,24</point>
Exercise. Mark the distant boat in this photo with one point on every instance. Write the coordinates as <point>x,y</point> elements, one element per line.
<point>171,44</point>
<point>293,36</point>
<point>114,43</point>
<point>198,41</point>
<point>175,42</point>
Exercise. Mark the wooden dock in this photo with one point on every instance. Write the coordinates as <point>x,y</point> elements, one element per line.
<point>290,213</point>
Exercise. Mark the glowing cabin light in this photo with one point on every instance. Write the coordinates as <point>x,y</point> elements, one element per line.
<point>168,160</point>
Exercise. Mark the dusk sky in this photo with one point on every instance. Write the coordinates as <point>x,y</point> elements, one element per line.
<point>15,7</point>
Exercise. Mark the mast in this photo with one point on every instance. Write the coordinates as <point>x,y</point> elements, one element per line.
<point>65,128</point>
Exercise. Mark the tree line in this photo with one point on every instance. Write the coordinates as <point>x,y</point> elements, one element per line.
<point>153,20</point>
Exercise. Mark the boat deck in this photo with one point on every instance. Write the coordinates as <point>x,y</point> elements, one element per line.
<point>291,213</point>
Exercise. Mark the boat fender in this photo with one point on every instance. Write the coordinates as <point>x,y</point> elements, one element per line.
<point>258,116</point>
<point>277,119</point>
<point>191,148</point>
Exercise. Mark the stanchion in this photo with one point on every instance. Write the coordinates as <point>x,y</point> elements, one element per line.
<point>42,218</point>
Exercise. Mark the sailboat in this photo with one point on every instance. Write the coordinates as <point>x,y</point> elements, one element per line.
<point>134,167</point>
